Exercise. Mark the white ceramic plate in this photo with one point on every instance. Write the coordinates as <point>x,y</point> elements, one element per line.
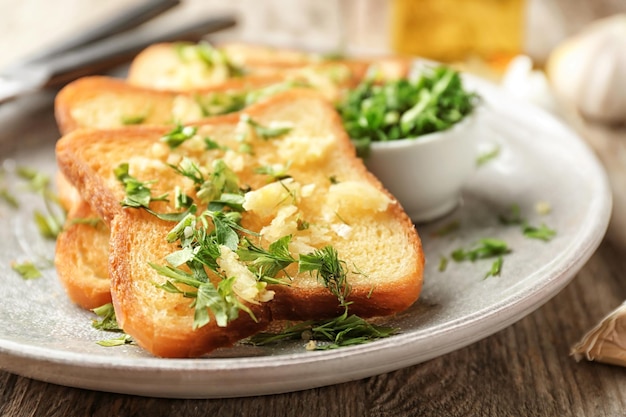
<point>43,336</point>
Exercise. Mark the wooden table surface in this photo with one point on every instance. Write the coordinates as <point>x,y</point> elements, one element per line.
<point>523,370</point>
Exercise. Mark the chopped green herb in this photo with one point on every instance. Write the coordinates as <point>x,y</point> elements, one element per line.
<point>406,108</point>
<point>344,330</point>
<point>222,180</point>
<point>328,268</point>
<point>9,198</point>
<point>211,145</point>
<point>133,120</point>
<point>107,320</point>
<point>27,270</point>
<point>216,103</point>
<point>207,54</point>
<point>542,232</point>
<point>486,248</point>
<point>179,135</point>
<point>443,263</point>
<point>258,94</point>
<point>37,181</point>
<point>49,226</point>
<point>267,262</point>
<point>276,173</point>
<point>485,157</point>
<point>246,148</point>
<point>230,200</point>
<point>117,341</point>
<point>496,267</point>
<point>303,224</point>
<point>188,168</point>
<point>138,193</point>
<point>221,301</point>
<point>265,132</point>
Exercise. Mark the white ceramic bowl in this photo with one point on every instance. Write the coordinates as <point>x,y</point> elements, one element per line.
<point>426,173</point>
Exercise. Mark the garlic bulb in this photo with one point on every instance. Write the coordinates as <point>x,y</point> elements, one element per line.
<point>588,70</point>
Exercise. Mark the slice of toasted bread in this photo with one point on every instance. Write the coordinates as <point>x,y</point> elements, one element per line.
<point>82,270</point>
<point>183,66</point>
<point>249,55</point>
<point>329,189</point>
<point>106,102</point>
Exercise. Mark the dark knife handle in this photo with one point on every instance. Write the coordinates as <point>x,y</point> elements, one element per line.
<point>112,51</point>
<point>128,19</point>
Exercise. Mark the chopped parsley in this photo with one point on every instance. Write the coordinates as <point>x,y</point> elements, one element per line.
<point>122,340</point>
<point>10,199</point>
<point>133,120</point>
<point>542,232</point>
<point>267,263</point>
<point>138,194</point>
<point>443,263</point>
<point>107,320</point>
<point>210,56</point>
<point>51,222</point>
<point>27,270</point>
<point>485,248</point>
<point>211,145</point>
<point>216,103</point>
<point>485,157</point>
<point>276,173</point>
<point>432,101</point>
<point>179,135</point>
<point>496,267</point>
<point>514,217</point>
<point>265,132</point>
<point>495,248</point>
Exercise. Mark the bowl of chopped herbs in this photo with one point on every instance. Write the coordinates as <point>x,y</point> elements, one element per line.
<point>417,135</point>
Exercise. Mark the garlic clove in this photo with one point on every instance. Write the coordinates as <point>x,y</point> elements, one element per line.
<point>526,83</point>
<point>588,70</point>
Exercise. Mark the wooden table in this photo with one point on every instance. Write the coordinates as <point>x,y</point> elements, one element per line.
<point>523,370</point>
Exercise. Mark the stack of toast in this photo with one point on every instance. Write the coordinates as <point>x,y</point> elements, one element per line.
<point>243,136</point>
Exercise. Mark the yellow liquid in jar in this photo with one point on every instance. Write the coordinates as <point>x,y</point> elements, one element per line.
<point>458,30</point>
